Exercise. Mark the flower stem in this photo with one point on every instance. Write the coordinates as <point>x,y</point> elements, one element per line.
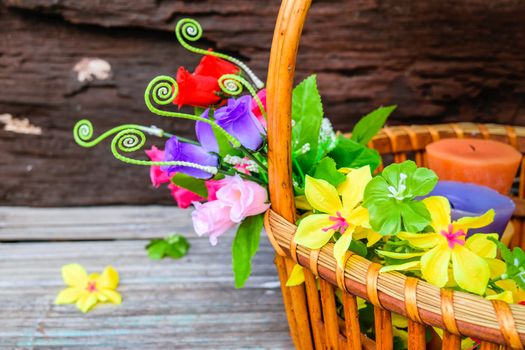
<point>495,287</point>
<point>180,138</point>
<point>298,167</point>
<point>244,176</point>
<point>252,157</point>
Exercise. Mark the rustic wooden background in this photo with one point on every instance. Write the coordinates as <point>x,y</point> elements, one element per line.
<point>437,60</point>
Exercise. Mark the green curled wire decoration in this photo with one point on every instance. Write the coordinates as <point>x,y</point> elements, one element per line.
<point>191,30</point>
<point>131,140</point>
<point>128,138</point>
<point>83,132</point>
<point>233,84</point>
<point>163,90</point>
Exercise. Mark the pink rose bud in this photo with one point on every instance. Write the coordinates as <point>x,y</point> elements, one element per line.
<point>213,186</point>
<point>157,176</point>
<point>183,197</point>
<point>245,198</point>
<point>256,110</point>
<point>211,219</point>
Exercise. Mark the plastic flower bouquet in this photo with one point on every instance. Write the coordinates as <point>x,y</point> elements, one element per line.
<point>385,216</point>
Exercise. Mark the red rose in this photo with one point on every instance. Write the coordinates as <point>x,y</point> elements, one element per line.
<point>196,90</point>
<point>212,66</point>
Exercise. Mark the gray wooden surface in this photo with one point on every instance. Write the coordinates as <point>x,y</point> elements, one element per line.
<point>185,304</point>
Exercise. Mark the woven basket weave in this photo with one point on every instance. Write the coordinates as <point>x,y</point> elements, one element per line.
<point>311,308</point>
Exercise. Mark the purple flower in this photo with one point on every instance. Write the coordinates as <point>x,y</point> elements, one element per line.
<point>238,120</point>
<point>205,134</point>
<point>186,152</point>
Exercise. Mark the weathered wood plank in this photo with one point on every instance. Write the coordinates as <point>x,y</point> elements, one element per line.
<point>32,217</point>
<point>185,304</point>
<point>95,223</point>
<point>122,222</point>
<point>437,60</point>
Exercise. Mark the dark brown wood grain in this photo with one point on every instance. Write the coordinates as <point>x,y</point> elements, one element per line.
<point>437,60</point>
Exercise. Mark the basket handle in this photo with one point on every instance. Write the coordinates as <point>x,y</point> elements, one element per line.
<point>285,44</point>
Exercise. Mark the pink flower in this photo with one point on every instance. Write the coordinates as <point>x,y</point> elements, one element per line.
<point>183,197</point>
<point>245,198</point>
<point>242,168</point>
<point>255,107</point>
<point>213,186</point>
<point>211,219</point>
<point>157,176</point>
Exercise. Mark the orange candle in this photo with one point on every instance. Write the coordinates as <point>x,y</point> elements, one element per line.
<point>483,162</point>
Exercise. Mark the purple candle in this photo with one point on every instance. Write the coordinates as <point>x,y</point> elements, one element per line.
<point>467,199</point>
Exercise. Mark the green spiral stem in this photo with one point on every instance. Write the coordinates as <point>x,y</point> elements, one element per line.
<point>128,138</point>
<point>191,30</point>
<point>83,132</point>
<point>131,140</point>
<point>163,90</point>
<point>233,84</point>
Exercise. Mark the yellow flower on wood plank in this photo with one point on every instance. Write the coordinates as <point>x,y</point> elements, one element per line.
<point>87,290</point>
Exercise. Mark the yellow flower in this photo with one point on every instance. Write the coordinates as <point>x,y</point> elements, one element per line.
<point>372,236</point>
<point>512,294</point>
<point>86,291</point>
<point>470,269</point>
<point>302,203</point>
<point>361,303</point>
<point>344,216</point>
<point>296,276</point>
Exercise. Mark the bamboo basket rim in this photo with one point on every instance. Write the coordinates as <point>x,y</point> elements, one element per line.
<point>475,316</point>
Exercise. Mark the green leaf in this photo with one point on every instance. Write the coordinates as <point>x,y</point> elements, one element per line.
<point>515,262</point>
<point>225,146</point>
<point>419,181</point>
<point>174,246</point>
<point>192,184</point>
<point>327,138</point>
<point>519,263</point>
<point>307,114</point>
<point>422,182</point>
<point>157,249</point>
<point>358,247</point>
<point>398,246</point>
<point>506,254</point>
<point>369,125</point>
<point>326,169</point>
<point>414,215</point>
<point>367,156</point>
<point>385,216</point>
<point>178,246</point>
<point>390,198</point>
<point>519,256</point>
<point>244,247</point>
<point>350,154</point>
<point>198,110</point>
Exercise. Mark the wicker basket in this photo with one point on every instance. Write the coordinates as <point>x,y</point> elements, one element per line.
<point>311,307</point>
